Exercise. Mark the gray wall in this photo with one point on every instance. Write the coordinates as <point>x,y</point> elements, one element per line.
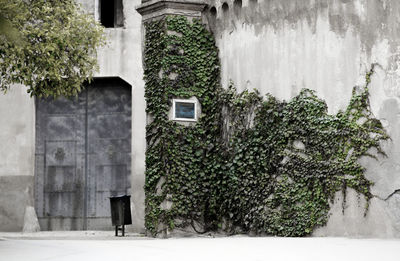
<point>282,46</point>
<point>17,139</point>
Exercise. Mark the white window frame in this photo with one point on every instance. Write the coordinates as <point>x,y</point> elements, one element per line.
<point>174,101</point>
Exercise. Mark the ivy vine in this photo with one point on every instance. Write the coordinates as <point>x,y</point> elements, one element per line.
<point>250,164</point>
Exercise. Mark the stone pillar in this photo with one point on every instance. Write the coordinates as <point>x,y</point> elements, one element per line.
<point>157,10</point>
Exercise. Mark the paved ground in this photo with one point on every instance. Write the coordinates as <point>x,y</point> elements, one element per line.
<point>99,246</point>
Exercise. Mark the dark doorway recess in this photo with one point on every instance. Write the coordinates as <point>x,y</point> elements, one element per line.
<point>83,155</point>
<point>111,13</point>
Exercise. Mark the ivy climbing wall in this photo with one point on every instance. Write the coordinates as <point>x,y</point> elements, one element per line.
<point>282,46</point>
<point>180,161</point>
<point>251,164</point>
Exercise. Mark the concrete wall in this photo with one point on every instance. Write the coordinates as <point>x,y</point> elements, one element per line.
<point>282,46</point>
<point>17,154</point>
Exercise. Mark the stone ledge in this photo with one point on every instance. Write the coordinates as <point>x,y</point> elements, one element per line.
<point>158,8</point>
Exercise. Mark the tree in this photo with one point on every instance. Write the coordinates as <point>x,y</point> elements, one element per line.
<point>50,46</point>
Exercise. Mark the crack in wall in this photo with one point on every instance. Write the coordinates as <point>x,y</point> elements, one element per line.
<point>397,191</point>
<point>392,194</point>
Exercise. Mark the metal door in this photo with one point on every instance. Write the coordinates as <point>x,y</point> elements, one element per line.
<point>82,156</point>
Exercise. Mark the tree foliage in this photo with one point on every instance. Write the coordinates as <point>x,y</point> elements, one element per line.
<point>47,45</point>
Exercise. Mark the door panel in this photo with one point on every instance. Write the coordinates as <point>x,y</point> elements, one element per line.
<point>63,205</point>
<point>109,146</point>
<point>110,181</point>
<point>60,179</point>
<point>60,143</point>
<point>82,156</point>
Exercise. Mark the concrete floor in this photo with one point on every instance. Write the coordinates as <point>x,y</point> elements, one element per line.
<point>99,246</point>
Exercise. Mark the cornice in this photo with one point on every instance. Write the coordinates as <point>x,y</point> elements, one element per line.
<point>156,8</point>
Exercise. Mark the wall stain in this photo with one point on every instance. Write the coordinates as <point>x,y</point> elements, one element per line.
<point>372,20</point>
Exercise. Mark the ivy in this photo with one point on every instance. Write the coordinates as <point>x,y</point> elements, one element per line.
<point>250,164</point>
<point>180,160</point>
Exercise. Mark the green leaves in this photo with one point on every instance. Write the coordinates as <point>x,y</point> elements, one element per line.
<point>251,164</point>
<point>56,48</point>
<point>184,156</point>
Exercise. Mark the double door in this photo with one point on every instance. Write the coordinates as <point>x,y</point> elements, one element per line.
<point>83,156</point>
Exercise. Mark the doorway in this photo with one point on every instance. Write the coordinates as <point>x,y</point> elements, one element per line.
<point>83,155</point>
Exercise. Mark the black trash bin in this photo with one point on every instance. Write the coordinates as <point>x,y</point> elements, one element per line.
<point>120,212</point>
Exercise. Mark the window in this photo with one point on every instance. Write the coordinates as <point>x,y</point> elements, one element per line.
<point>111,13</point>
<point>184,110</point>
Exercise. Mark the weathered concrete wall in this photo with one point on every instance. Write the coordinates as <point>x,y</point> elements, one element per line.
<point>122,57</point>
<point>282,46</point>
<point>17,153</point>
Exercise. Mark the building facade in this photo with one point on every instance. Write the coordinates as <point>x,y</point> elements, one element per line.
<point>274,46</point>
